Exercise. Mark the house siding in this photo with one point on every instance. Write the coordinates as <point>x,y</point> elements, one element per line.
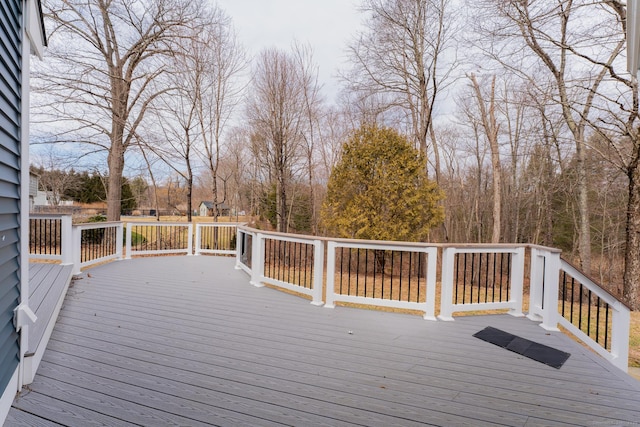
<point>10,133</point>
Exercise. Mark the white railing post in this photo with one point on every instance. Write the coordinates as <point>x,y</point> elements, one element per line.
<point>190,240</point>
<point>517,282</point>
<point>239,246</point>
<point>77,249</point>
<point>446,290</point>
<point>198,242</point>
<point>535,285</point>
<point>432,266</point>
<point>257,260</point>
<point>620,336</point>
<point>66,239</point>
<point>128,248</point>
<point>119,238</point>
<point>329,300</point>
<point>318,272</point>
<point>550,293</point>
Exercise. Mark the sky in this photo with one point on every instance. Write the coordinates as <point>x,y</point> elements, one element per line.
<point>326,25</point>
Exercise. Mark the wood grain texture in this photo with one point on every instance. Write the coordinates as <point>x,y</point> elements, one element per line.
<point>188,341</point>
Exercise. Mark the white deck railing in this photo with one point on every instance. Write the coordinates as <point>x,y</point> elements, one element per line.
<point>159,238</point>
<point>54,237</point>
<point>475,277</point>
<point>50,238</point>
<point>277,259</point>
<point>482,277</point>
<point>386,274</point>
<point>562,295</point>
<point>95,243</point>
<point>219,238</point>
<point>368,272</point>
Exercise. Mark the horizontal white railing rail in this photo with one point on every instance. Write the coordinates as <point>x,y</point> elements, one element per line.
<point>96,242</point>
<point>482,277</point>
<point>159,238</point>
<point>384,274</point>
<point>218,238</point>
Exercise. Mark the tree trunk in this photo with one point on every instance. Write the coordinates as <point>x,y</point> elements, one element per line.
<point>282,203</point>
<point>631,279</point>
<point>491,128</point>
<point>114,193</point>
<point>436,153</point>
<point>190,198</point>
<point>584,224</point>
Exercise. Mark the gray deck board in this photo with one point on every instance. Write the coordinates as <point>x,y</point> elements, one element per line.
<point>47,283</point>
<point>188,341</point>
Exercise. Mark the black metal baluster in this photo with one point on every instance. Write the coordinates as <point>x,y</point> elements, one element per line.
<point>473,267</point>
<point>598,320</point>
<point>457,267</point>
<point>349,273</point>
<point>411,267</point>
<point>375,268</point>
<point>299,263</point>
<point>573,286</point>
<point>508,275</point>
<point>564,292</point>
<point>383,270</point>
<point>606,329</point>
<point>419,275</point>
<point>493,284</point>
<point>341,265</point>
<point>580,313</point>
<point>366,269</point>
<point>400,277</point>
<point>391,278</point>
<point>358,272</point>
<point>486,278</point>
<point>280,261</point>
<point>589,314</point>
<point>310,257</point>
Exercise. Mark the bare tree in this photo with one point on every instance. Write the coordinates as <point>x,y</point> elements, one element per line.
<point>403,54</point>
<point>278,115</point>
<point>491,128</point>
<point>582,67</point>
<point>219,60</point>
<point>175,132</point>
<point>554,33</point>
<point>105,54</point>
<point>310,131</point>
<point>617,124</point>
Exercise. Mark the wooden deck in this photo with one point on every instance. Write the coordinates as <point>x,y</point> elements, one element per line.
<point>187,341</point>
<point>47,283</point>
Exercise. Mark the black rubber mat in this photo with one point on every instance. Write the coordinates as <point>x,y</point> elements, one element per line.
<point>533,350</point>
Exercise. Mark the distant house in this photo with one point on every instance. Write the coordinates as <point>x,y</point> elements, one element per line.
<point>43,198</point>
<point>206,209</point>
<point>34,181</point>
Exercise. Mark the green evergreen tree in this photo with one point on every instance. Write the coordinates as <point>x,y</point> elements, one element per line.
<point>298,214</point>
<point>380,190</point>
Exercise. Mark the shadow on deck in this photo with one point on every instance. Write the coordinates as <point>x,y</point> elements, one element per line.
<point>187,340</point>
